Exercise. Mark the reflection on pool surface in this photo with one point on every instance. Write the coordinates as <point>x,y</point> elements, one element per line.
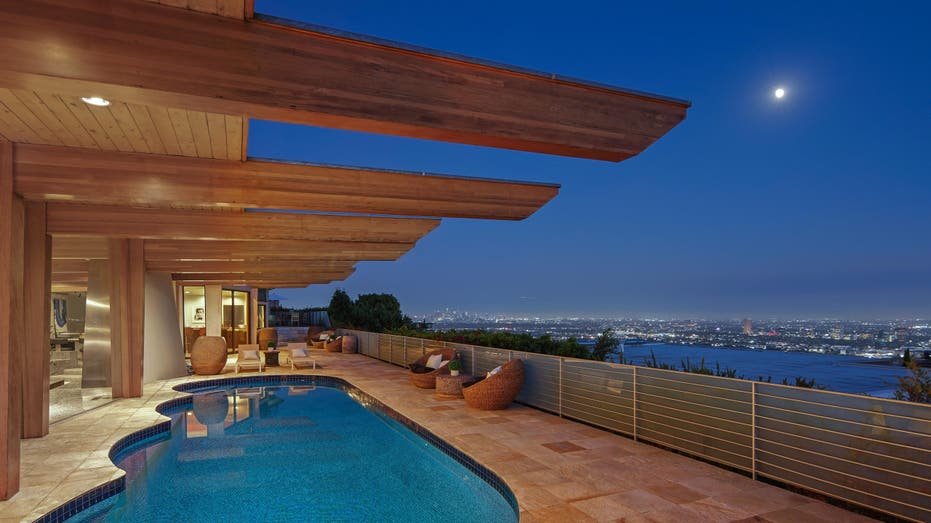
<point>298,453</point>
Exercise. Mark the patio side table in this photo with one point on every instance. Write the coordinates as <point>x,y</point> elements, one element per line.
<point>449,386</point>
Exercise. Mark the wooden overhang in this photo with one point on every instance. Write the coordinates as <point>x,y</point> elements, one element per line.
<point>266,266</point>
<point>43,172</point>
<point>170,149</point>
<point>174,224</point>
<point>237,262</point>
<point>147,54</point>
<point>309,276</point>
<point>66,248</point>
<point>166,250</point>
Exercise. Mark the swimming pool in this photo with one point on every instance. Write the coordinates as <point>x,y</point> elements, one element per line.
<point>312,449</point>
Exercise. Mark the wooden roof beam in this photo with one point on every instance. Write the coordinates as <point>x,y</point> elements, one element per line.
<point>240,9</point>
<point>144,53</point>
<point>178,224</point>
<point>259,284</point>
<point>69,265</point>
<point>240,278</point>
<point>69,287</point>
<point>165,250</point>
<point>47,172</point>
<point>95,248</point>
<point>82,248</point>
<point>265,266</point>
<point>307,276</point>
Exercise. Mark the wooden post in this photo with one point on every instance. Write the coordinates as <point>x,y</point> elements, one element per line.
<point>11,326</point>
<point>253,315</point>
<point>127,316</point>
<point>37,281</point>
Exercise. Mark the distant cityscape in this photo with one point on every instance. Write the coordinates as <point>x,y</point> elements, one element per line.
<point>870,339</point>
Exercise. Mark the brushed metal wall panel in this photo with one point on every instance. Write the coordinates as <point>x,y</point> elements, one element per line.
<point>96,372</point>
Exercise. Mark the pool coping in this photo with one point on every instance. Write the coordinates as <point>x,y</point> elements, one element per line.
<point>101,493</point>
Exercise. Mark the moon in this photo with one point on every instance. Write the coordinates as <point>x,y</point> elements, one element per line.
<point>779,93</point>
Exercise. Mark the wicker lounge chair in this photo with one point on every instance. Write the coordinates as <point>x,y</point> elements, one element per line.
<point>334,344</point>
<point>248,358</point>
<point>319,342</point>
<point>497,391</point>
<point>426,379</point>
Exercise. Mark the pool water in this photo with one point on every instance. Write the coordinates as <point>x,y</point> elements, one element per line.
<point>299,453</point>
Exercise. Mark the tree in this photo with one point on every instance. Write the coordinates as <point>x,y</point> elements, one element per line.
<point>607,343</point>
<point>915,386</point>
<point>341,309</point>
<point>378,313</point>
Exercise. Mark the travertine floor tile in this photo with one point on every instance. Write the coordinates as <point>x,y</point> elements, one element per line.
<point>559,470</point>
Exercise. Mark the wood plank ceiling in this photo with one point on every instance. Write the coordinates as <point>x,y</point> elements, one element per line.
<point>169,151</point>
<point>31,117</point>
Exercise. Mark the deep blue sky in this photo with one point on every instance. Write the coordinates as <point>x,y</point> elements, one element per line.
<point>816,206</point>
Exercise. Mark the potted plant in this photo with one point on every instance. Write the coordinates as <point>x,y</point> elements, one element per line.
<point>272,344</point>
<point>454,367</point>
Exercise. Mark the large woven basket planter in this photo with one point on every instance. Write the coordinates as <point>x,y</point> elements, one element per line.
<point>208,355</point>
<point>427,380</point>
<point>266,335</point>
<point>349,344</point>
<point>498,391</point>
<point>334,345</point>
<point>318,344</point>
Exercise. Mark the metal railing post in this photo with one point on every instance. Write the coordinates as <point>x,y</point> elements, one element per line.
<point>561,360</point>
<point>635,402</point>
<point>753,428</point>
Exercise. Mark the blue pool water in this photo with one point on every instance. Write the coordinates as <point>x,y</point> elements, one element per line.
<point>299,453</point>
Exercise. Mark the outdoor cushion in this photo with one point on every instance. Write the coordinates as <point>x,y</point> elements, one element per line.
<point>434,361</point>
<point>250,354</point>
<point>493,371</point>
<point>298,353</point>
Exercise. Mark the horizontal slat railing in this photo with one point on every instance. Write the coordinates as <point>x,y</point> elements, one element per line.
<point>867,451</point>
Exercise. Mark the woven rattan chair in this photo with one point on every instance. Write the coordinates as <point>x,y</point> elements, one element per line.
<point>498,391</point>
<point>334,344</point>
<point>427,380</point>
<point>319,341</point>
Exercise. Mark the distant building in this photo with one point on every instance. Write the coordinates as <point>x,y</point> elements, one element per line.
<point>901,333</point>
<point>748,326</point>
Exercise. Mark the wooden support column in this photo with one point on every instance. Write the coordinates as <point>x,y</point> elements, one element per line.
<point>37,286</point>
<point>11,325</point>
<point>127,316</point>
<point>253,315</point>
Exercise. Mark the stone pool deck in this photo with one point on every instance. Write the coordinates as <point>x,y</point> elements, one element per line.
<point>558,469</point>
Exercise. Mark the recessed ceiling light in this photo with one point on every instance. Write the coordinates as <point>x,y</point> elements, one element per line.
<point>96,100</point>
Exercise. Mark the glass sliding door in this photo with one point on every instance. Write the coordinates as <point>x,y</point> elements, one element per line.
<point>235,318</point>
<point>195,315</point>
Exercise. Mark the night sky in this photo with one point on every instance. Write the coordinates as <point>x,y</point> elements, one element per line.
<point>816,205</point>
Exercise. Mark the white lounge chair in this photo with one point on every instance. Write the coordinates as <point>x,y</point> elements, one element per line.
<point>299,357</point>
<point>248,358</point>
